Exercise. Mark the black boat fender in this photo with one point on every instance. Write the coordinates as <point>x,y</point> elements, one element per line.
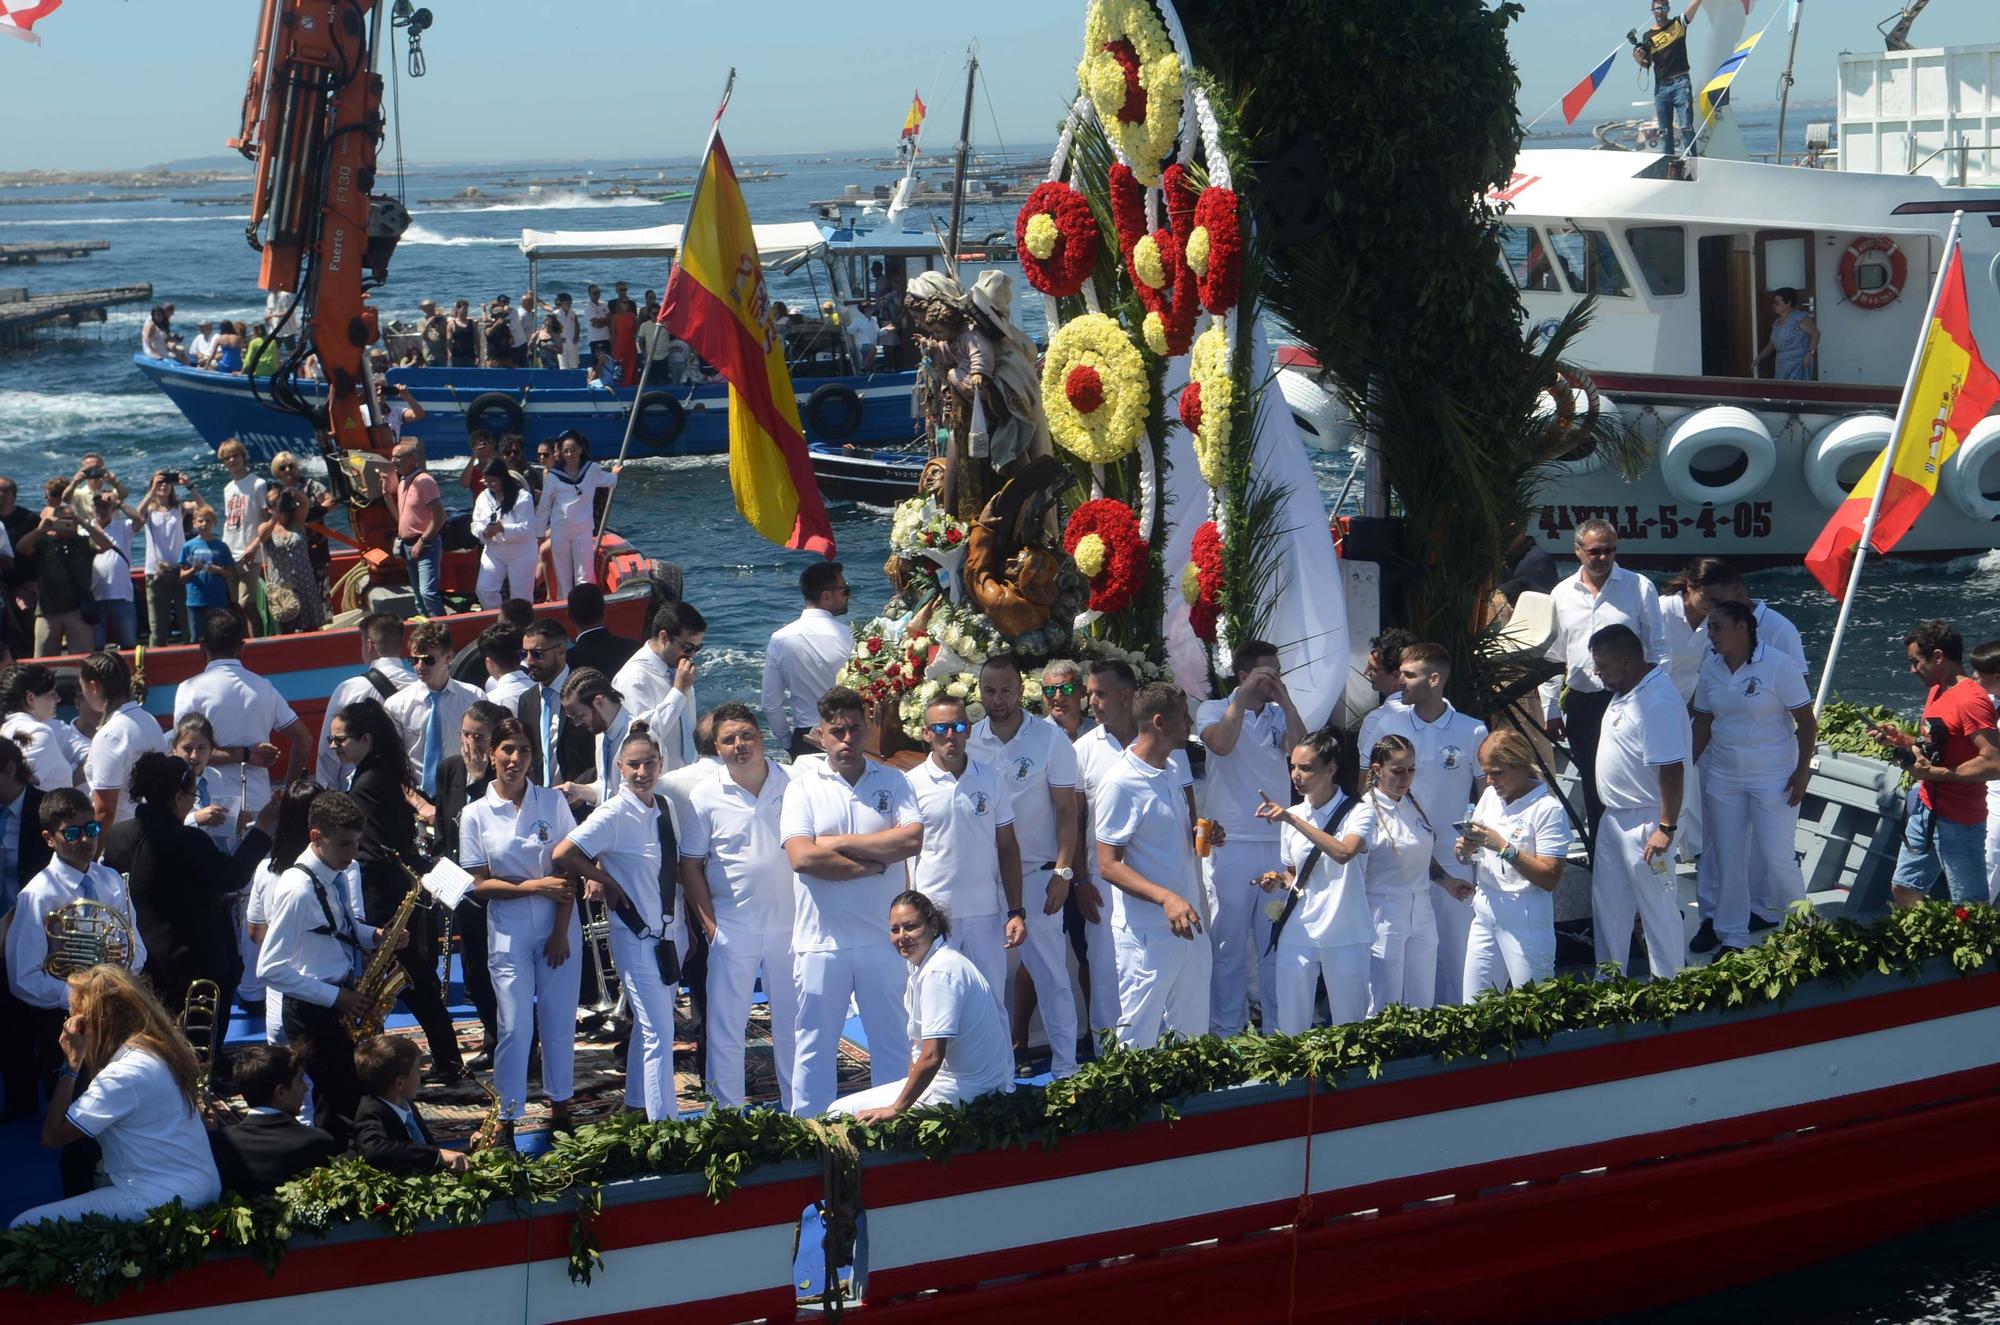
<point>833,412</point>
<point>509,410</point>
<point>658,418</point>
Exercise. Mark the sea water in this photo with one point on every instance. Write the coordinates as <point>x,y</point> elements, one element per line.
<point>79,392</point>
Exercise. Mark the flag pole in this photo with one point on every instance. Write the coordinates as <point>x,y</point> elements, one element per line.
<point>1888,466</point>
<point>646,365</point>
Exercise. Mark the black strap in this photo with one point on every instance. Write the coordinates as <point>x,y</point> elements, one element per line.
<point>331,929</point>
<point>670,859</point>
<point>1305,871</point>
<point>383,685</point>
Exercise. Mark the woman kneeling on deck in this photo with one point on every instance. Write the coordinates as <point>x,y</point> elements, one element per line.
<point>961,1048</point>
<point>139,1103</point>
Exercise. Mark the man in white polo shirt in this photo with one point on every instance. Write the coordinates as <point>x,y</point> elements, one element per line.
<point>245,710</point>
<point>806,654</point>
<point>970,863</point>
<point>1641,775</point>
<point>1446,784</point>
<point>1038,765</point>
<point>847,825</point>
<point>1249,737</point>
<point>1145,851</point>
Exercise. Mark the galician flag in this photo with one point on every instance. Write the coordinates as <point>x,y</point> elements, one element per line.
<point>717,302</point>
<point>17,17</point>
<point>915,119</point>
<point>1953,391</point>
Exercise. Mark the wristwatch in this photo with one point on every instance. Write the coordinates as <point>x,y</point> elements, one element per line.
<point>1018,913</point>
<point>1064,872</point>
<point>1668,829</point>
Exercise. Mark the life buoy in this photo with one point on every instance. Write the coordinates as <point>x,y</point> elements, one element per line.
<point>1963,478</point>
<point>658,418</point>
<point>1324,424</point>
<point>1855,258</point>
<point>833,412</point>
<point>478,414</point>
<point>1850,445</point>
<point>1694,473</point>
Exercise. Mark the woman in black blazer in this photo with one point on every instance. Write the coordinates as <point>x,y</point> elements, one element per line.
<point>181,878</point>
<point>365,740</point>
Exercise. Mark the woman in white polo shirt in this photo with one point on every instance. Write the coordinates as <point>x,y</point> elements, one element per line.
<point>1753,721</point>
<point>618,848</point>
<point>1519,837</point>
<point>507,841</point>
<point>1324,930</point>
<point>959,1046</point>
<point>140,1105</point>
<point>1396,835</point>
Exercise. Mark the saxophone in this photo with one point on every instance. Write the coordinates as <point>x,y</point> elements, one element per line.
<point>385,977</point>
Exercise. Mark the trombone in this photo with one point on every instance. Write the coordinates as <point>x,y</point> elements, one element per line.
<point>200,1024</point>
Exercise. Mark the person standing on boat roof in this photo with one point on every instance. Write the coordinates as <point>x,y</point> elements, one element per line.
<point>1663,49</point>
<point>805,655</point>
<point>1957,752</point>
<point>1794,339</point>
<point>1641,770</point>
<point>1600,594</point>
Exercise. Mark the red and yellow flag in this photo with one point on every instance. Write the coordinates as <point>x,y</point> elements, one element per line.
<point>1954,390</point>
<point>717,302</point>
<point>915,119</point>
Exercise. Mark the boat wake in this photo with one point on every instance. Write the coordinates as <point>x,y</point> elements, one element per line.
<point>67,221</point>
<point>565,201</point>
<point>29,420</point>
<point>418,233</point>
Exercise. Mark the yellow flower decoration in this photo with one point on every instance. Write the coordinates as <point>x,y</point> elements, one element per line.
<point>1089,554</point>
<point>1146,261</point>
<point>1155,331</point>
<point>1197,250</point>
<point>1042,235</point>
<point>1191,583</point>
<point>1094,389</point>
<point>1132,75</point>
<point>1207,398</point>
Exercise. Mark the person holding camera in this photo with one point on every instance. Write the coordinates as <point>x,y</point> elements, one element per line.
<point>64,560</point>
<point>1663,49</point>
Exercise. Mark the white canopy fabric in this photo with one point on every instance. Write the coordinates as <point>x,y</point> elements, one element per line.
<point>776,242</point>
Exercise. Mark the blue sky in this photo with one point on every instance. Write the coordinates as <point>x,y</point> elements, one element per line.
<point>130,82</point>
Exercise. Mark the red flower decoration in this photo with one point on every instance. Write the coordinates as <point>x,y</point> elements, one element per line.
<point>1961,914</point>
<point>1064,271</point>
<point>1206,554</point>
<point>1084,388</point>
<point>874,644</point>
<point>953,536</point>
<point>1134,109</point>
<point>1221,285</point>
<point>1180,200</point>
<point>1191,406</point>
<point>1125,551</point>
<point>1128,207</point>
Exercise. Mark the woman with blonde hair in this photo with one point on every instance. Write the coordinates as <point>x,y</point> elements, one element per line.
<point>1519,837</point>
<point>137,1099</point>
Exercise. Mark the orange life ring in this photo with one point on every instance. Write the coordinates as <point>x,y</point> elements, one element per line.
<point>1850,263</point>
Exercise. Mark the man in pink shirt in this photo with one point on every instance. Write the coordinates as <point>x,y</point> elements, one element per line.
<point>419,507</point>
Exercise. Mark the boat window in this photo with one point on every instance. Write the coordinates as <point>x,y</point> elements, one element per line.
<point>1588,261</point>
<point>1661,252</point>
<point>1526,258</point>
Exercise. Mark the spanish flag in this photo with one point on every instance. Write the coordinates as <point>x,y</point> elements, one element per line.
<point>1953,390</point>
<point>717,302</point>
<point>915,119</point>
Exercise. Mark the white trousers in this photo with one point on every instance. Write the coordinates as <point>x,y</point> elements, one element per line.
<point>649,1062</point>
<point>528,994</point>
<point>1345,970</point>
<point>734,959</point>
<point>574,552</point>
<point>1230,874</point>
<point>1402,962</point>
<point>1454,925</point>
<point>983,941</point>
<point>1751,832</point>
<point>1512,941</point>
<point>1046,955</point>
<point>942,1090</point>
<point>1993,857</point>
<point>113,1202</point>
<point>248,988</point>
<point>1100,955</point>
<point>506,572</point>
<point>1163,983</point>
<point>874,977</point>
<point>1623,885</point>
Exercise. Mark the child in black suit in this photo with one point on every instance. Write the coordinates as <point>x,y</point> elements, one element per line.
<point>270,1146</point>
<point>388,1131</point>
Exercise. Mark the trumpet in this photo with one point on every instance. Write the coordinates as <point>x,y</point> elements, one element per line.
<point>201,1026</point>
<point>83,934</point>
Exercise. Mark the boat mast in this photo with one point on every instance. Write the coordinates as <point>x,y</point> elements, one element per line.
<point>1785,82</point>
<point>964,146</point>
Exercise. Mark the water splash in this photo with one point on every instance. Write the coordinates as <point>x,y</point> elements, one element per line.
<point>566,200</point>
<point>418,233</point>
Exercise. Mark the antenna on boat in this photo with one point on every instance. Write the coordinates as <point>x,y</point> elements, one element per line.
<point>1785,79</point>
<point>964,147</point>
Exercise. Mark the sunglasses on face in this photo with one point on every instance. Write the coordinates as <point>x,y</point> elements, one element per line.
<point>536,653</point>
<point>337,741</point>
<point>74,833</point>
<point>944,728</point>
<point>1060,687</point>
<point>423,659</point>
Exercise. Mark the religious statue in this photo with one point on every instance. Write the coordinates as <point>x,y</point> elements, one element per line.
<point>1012,572</point>
<point>979,384</point>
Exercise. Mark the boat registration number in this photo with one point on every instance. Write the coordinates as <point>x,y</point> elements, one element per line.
<point>1745,519</point>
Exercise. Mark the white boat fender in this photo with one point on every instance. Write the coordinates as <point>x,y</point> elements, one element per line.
<point>1705,437</point>
<point>1964,474</point>
<point>833,412</point>
<point>1849,444</point>
<point>1324,423</point>
<point>479,414</point>
<point>658,418</point>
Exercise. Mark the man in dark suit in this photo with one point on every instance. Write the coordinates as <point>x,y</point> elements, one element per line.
<point>545,655</point>
<point>594,645</point>
<point>271,1146</point>
<point>389,1132</point>
<point>462,780</point>
<point>24,853</point>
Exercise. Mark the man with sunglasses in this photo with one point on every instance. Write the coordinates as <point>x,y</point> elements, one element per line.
<point>428,713</point>
<point>971,861</point>
<point>70,831</point>
<point>1062,691</point>
<point>806,654</point>
<point>564,751</point>
<point>658,681</point>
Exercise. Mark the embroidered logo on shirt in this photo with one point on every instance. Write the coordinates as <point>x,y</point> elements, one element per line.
<point>881,802</point>
<point>1751,686</point>
<point>979,802</point>
<point>1023,767</point>
<point>1450,756</point>
<point>541,831</point>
